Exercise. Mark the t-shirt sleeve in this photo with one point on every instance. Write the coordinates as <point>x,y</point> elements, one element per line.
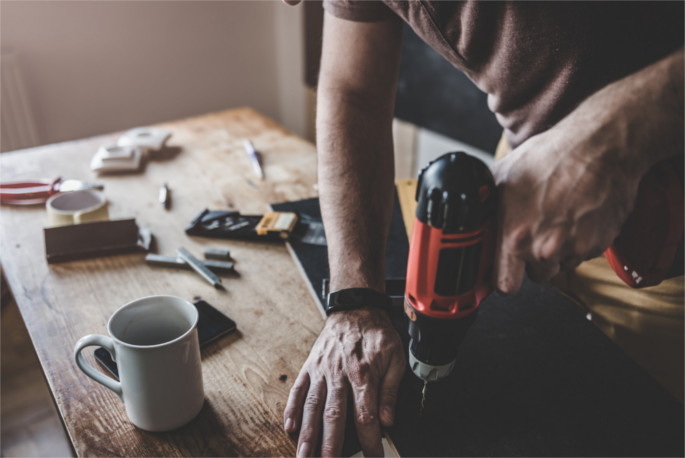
<point>358,10</point>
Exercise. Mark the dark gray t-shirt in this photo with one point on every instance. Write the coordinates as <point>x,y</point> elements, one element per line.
<point>536,60</point>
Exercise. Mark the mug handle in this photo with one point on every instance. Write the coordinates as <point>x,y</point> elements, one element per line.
<point>102,341</point>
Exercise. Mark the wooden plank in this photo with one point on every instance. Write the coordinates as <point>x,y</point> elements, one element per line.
<point>205,166</point>
<point>406,192</point>
<point>405,137</point>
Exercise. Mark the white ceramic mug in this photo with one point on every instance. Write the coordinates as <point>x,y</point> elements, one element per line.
<point>76,207</point>
<point>155,345</point>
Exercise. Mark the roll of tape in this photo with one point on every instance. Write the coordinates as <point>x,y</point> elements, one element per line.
<point>77,207</point>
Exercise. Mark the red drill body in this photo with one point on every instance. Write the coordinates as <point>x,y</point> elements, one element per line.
<point>649,248</point>
<point>450,259</point>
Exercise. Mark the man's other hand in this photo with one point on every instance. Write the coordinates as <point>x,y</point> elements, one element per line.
<point>358,354</point>
<point>566,192</point>
<point>560,203</point>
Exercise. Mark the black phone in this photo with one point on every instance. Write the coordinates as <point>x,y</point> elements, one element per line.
<point>211,325</point>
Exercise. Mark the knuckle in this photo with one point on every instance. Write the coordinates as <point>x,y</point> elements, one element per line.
<point>549,251</point>
<point>333,413</point>
<point>312,402</point>
<point>552,245</point>
<point>506,286</point>
<point>364,417</point>
<point>516,240</point>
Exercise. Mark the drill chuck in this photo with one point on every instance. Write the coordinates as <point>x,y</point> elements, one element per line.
<point>450,259</point>
<point>428,372</point>
<point>433,345</point>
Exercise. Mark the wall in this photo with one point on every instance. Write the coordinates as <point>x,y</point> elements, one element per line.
<point>435,95</point>
<point>97,67</point>
<point>94,67</point>
<point>415,147</point>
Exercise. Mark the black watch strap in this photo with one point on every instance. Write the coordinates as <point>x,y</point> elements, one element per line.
<point>356,298</point>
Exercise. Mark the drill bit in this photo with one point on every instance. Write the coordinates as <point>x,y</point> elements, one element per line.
<point>423,398</point>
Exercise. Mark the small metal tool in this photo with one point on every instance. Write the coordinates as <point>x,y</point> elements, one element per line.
<point>165,196</point>
<point>423,398</point>
<point>217,253</point>
<point>171,261</point>
<point>197,266</point>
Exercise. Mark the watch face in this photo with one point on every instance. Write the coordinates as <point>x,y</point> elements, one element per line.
<point>354,298</point>
<point>348,297</point>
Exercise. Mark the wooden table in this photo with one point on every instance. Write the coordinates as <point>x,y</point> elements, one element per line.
<point>205,167</point>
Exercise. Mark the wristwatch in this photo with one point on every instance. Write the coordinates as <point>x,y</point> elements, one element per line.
<point>356,298</point>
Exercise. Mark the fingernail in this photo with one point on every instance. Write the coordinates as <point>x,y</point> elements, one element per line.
<point>303,450</point>
<point>289,425</point>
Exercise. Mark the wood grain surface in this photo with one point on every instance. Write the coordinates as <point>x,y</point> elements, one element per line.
<point>406,193</point>
<point>205,167</point>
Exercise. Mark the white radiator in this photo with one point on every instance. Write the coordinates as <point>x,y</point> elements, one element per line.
<point>18,126</point>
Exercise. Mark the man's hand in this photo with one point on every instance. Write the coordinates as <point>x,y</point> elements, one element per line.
<point>565,193</point>
<point>358,355</point>
<point>558,207</point>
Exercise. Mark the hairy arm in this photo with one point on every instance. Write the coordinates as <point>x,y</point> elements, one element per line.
<point>566,192</point>
<point>356,94</point>
<point>358,353</point>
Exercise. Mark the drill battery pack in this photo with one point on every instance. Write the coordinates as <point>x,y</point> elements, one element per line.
<point>649,248</point>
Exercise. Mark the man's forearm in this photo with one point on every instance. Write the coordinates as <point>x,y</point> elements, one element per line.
<point>358,355</point>
<point>645,110</point>
<point>356,97</point>
<point>356,173</point>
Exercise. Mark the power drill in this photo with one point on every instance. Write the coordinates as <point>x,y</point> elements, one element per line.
<point>451,251</point>
<point>450,260</point>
